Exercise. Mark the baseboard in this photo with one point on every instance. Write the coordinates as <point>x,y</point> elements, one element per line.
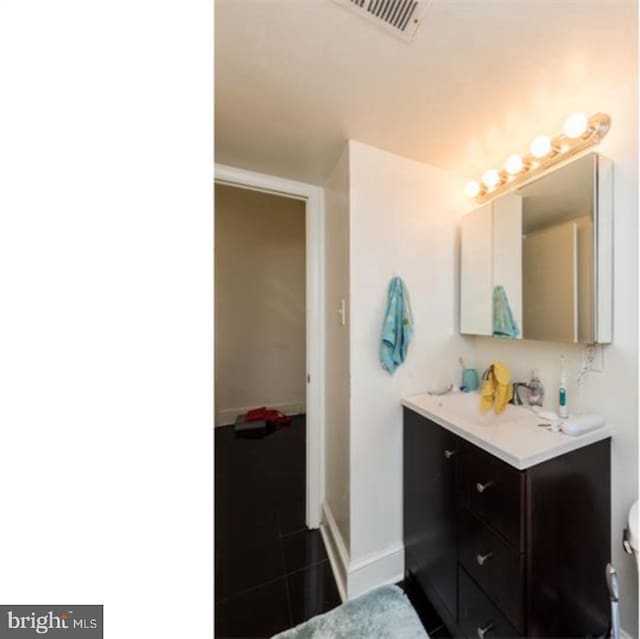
<point>336,535</point>
<point>333,561</point>
<point>227,416</point>
<point>354,578</point>
<point>336,549</point>
<point>377,569</point>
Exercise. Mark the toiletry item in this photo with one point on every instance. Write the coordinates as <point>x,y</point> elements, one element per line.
<point>563,410</point>
<point>614,598</point>
<point>552,427</point>
<point>546,414</point>
<point>536,389</point>
<point>470,380</point>
<point>446,391</point>
<point>550,417</point>
<point>580,424</point>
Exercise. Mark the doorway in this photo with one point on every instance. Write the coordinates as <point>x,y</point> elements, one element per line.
<point>313,198</point>
<point>270,557</point>
<point>260,306</point>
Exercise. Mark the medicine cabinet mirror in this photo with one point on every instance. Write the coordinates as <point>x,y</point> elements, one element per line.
<point>537,263</point>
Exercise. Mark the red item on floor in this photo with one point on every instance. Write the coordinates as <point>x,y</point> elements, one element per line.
<point>267,415</point>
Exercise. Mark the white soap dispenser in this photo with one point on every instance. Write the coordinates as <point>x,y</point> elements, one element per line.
<point>563,411</point>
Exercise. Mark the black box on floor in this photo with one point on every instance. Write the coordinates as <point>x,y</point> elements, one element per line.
<point>250,430</point>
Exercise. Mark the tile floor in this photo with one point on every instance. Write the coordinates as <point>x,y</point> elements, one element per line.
<point>271,572</point>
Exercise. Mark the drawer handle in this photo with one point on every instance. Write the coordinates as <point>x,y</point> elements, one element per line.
<point>449,454</point>
<point>483,631</point>
<point>482,487</point>
<point>482,559</point>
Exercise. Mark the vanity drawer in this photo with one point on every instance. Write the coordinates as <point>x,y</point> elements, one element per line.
<point>494,491</point>
<point>478,618</point>
<point>495,565</point>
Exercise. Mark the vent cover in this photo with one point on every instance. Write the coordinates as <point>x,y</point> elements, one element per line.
<point>400,17</point>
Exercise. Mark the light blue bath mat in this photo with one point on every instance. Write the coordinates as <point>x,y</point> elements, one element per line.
<point>383,613</point>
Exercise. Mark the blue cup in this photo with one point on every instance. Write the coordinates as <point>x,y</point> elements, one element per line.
<point>470,379</point>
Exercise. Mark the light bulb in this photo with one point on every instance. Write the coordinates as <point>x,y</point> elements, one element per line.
<point>471,189</point>
<point>490,178</point>
<point>540,146</point>
<point>575,125</point>
<point>513,164</point>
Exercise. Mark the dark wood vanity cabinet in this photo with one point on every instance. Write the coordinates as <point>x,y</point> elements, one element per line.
<point>501,552</point>
<point>430,537</point>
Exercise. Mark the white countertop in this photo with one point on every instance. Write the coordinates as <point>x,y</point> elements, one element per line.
<point>514,436</point>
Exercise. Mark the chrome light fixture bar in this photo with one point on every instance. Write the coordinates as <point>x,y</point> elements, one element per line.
<point>578,133</point>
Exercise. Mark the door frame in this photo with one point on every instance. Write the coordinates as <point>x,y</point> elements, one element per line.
<point>313,196</point>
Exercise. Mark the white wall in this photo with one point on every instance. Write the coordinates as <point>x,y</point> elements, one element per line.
<point>337,348</point>
<point>614,392</point>
<point>260,302</point>
<point>403,217</point>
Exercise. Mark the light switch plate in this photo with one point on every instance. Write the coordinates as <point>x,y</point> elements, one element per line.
<point>342,312</point>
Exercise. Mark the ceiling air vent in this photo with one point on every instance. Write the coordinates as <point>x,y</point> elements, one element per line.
<point>400,17</point>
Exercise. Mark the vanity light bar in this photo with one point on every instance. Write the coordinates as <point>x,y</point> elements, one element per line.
<point>578,134</point>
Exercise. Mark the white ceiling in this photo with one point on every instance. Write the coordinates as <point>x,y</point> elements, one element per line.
<point>295,78</point>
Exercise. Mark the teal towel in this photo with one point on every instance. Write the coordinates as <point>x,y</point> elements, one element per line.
<point>397,329</point>
<point>504,323</point>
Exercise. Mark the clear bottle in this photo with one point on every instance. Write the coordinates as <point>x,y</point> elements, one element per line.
<point>536,389</point>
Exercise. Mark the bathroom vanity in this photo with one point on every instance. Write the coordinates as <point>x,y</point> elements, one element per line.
<point>507,525</point>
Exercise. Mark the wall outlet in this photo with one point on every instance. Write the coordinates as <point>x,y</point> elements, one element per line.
<point>595,354</point>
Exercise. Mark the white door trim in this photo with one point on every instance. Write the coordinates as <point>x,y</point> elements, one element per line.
<point>314,198</point>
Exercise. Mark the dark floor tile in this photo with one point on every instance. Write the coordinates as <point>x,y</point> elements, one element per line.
<point>261,612</point>
<point>311,592</point>
<point>260,503</point>
<point>246,524</point>
<point>285,491</point>
<point>440,633</point>
<point>241,534</point>
<point>239,567</point>
<point>292,518</point>
<point>428,616</point>
<point>303,549</point>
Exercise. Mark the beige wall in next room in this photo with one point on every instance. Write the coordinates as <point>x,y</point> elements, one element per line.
<point>260,302</point>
